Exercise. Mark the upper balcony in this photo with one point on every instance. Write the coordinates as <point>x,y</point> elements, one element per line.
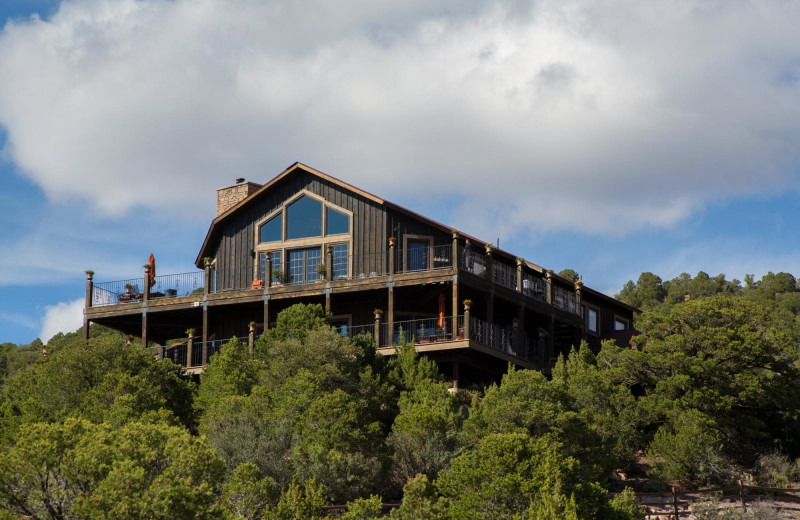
<point>483,266</point>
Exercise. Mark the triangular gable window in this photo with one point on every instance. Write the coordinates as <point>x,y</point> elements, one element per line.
<point>304,218</point>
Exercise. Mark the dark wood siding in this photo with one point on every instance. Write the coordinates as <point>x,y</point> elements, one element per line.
<point>235,260</point>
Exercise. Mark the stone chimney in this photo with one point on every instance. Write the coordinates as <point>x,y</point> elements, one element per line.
<point>230,196</point>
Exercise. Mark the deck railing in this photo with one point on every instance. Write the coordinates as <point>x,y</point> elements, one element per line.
<point>425,258</point>
<point>425,330</point>
<point>173,285</point>
<point>473,261</point>
<point>563,299</point>
<point>534,287</point>
<point>176,353</point>
<point>500,338</point>
<point>505,275</point>
<point>120,291</point>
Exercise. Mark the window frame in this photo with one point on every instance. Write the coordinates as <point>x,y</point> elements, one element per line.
<point>417,238</point>
<point>596,310</point>
<point>283,246</point>
<point>620,319</point>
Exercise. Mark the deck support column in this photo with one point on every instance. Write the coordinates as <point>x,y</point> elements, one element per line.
<point>144,327</point>
<point>578,297</point>
<point>205,334</point>
<point>520,264</point>
<point>266,312</point>
<point>251,338</point>
<point>377,334</point>
<point>207,277</point>
<point>548,280</point>
<point>329,263</point>
<point>189,347</point>
<point>328,299</point>
<point>519,332</point>
<point>89,294</point>
<point>390,315</point>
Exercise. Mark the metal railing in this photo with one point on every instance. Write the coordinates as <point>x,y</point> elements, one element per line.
<point>500,338</point>
<point>173,285</point>
<point>425,258</point>
<point>534,287</point>
<point>176,353</point>
<point>505,275</point>
<point>426,330</point>
<point>120,291</point>
<point>563,299</point>
<point>368,265</point>
<point>474,261</point>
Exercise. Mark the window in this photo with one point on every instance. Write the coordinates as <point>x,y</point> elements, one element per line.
<point>591,319</point>
<point>275,259</point>
<point>341,325</point>
<point>338,222</point>
<point>339,260</point>
<point>620,323</point>
<point>304,218</point>
<point>303,264</point>
<point>417,255</point>
<point>271,230</point>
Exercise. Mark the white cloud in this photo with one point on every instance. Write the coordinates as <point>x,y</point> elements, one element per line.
<point>61,317</point>
<point>598,116</point>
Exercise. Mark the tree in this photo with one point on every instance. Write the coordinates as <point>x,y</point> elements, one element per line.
<point>232,371</point>
<point>78,469</point>
<point>569,274</point>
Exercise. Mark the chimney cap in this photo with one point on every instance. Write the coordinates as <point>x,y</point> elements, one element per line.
<point>240,180</point>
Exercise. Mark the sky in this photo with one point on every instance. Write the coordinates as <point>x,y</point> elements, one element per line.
<point>609,137</point>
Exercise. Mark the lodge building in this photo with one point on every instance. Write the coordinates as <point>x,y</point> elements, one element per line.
<point>378,268</point>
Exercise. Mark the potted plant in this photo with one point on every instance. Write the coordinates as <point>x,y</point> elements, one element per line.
<point>378,313</point>
<point>128,288</point>
<point>277,275</point>
<point>322,270</point>
<point>542,332</point>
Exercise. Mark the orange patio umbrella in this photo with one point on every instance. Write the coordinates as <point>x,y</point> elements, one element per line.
<point>152,262</point>
<point>441,310</point>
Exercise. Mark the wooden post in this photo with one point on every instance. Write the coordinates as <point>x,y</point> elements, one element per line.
<point>189,347</point>
<point>378,314</point>
<point>267,270</point>
<point>266,312</point>
<point>144,327</point>
<point>456,376</point>
<point>548,280</point>
<point>675,504</point>
<point>741,496</point>
<point>329,265</point>
<point>467,305</point>
<point>251,339</point>
<point>455,251</point>
<point>489,263</point>
<point>146,291</point>
<point>520,263</point>
<point>578,287</point>
<point>207,282</point>
<point>89,297</point>
<point>392,241</point>
<point>390,315</point>
<point>205,334</point>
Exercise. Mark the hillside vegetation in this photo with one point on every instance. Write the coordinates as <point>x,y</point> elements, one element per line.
<point>705,396</point>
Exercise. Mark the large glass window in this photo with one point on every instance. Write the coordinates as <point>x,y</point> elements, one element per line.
<point>338,223</point>
<point>304,218</point>
<point>339,267</point>
<point>592,320</point>
<point>417,255</point>
<point>303,264</point>
<point>272,230</point>
<point>275,258</point>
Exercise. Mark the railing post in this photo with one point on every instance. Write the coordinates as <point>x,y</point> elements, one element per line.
<point>251,338</point>
<point>548,279</point>
<point>392,241</point>
<point>378,315</point>
<point>189,347</point>
<point>467,304</point>
<point>89,298</point>
<point>207,282</point>
<point>146,290</point>
<point>520,264</point>
<point>455,251</point>
<point>489,263</point>
<point>329,263</point>
<point>578,287</point>
<point>268,269</point>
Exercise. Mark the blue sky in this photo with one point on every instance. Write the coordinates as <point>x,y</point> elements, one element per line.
<point>610,138</point>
